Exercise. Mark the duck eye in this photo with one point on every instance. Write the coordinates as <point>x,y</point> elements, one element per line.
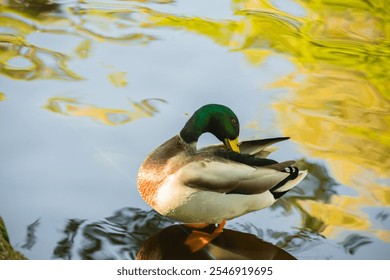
<point>234,122</point>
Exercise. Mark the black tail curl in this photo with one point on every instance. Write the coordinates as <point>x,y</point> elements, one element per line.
<point>294,172</point>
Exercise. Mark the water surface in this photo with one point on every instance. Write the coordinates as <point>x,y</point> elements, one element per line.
<point>89,88</point>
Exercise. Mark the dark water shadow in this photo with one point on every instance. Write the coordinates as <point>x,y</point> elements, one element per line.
<point>31,236</point>
<point>132,233</point>
<point>117,237</point>
<point>169,244</point>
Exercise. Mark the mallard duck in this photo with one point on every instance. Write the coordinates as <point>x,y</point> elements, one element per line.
<point>216,183</point>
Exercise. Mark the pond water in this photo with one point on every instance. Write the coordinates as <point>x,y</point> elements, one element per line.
<point>89,88</point>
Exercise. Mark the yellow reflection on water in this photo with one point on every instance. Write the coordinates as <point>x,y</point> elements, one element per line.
<point>71,107</point>
<point>341,107</point>
<point>33,67</point>
<point>2,96</point>
<point>89,21</point>
<point>22,19</point>
<point>153,1</point>
<point>353,35</point>
<point>118,79</point>
<point>340,116</point>
<point>83,50</point>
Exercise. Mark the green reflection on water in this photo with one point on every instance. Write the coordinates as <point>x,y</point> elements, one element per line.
<point>339,109</point>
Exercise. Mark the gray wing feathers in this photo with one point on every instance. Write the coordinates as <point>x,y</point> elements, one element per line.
<point>263,182</point>
<point>258,146</point>
<point>228,177</point>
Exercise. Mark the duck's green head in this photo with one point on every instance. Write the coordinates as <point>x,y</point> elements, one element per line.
<point>216,119</point>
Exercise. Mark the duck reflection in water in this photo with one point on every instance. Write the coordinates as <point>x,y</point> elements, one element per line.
<point>132,233</point>
<point>170,244</point>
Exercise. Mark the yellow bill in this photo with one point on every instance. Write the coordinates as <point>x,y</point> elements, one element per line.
<point>232,144</point>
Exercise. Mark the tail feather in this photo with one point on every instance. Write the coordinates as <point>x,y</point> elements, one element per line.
<point>287,184</point>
